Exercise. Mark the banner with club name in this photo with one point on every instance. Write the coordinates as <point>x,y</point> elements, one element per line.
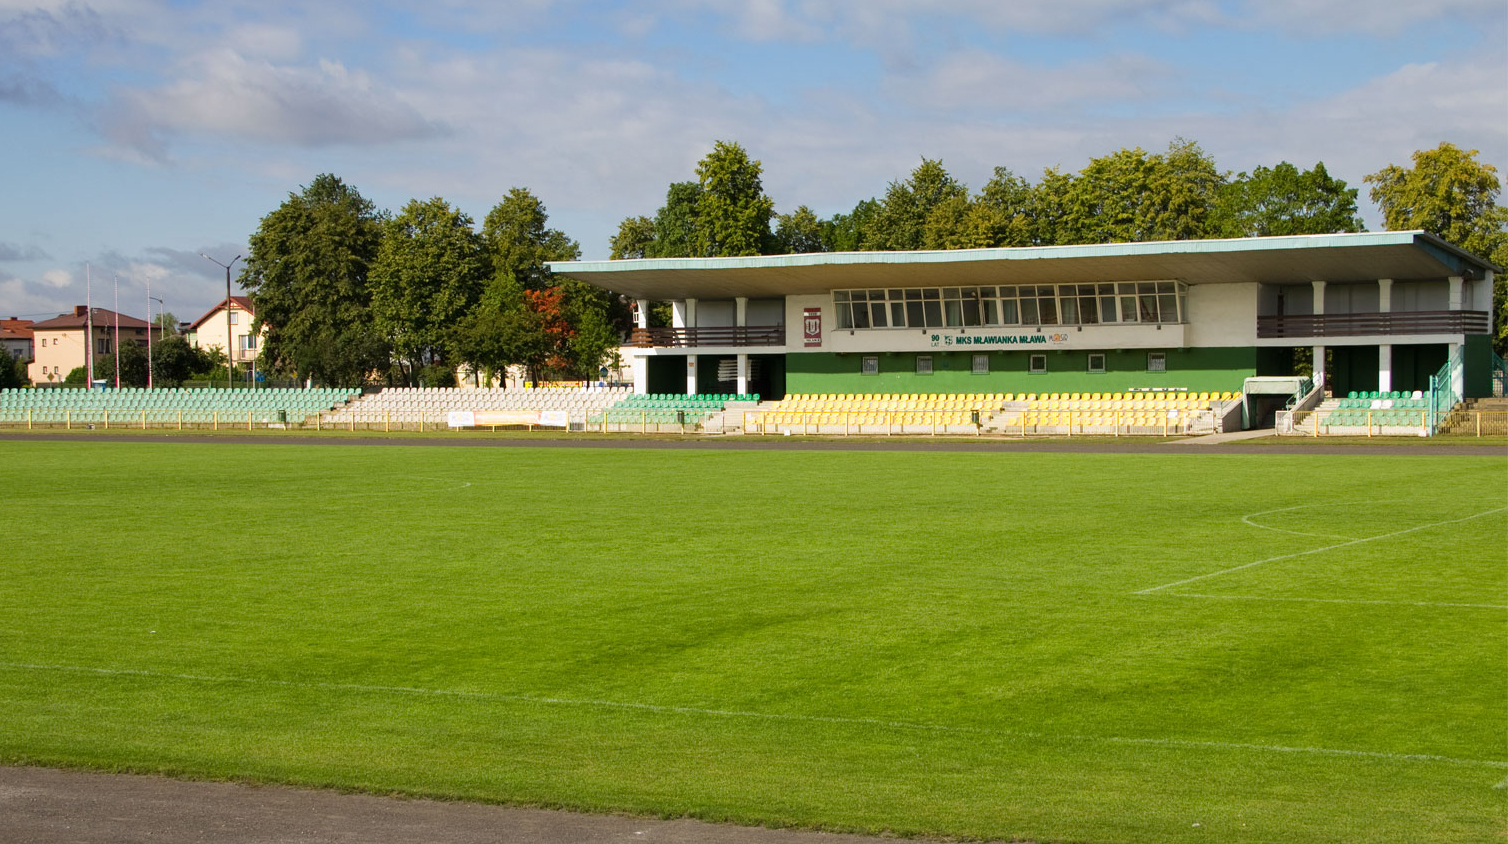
<point>483,418</point>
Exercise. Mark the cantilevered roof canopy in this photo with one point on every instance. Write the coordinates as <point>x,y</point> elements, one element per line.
<point>1276,260</point>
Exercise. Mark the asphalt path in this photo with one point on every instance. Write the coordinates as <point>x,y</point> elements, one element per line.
<point>47,806</point>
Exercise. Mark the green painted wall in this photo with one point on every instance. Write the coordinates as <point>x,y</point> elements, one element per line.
<point>1067,371</point>
<point>1477,358</point>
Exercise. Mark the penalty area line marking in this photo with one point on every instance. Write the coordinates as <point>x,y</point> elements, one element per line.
<point>1336,601</point>
<point>1149,590</point>
<point>772,716</point>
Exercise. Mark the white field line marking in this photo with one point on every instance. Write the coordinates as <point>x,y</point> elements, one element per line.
<point>1503,784</point>
<point>1152,589</point>
<point>1338,601</point>
<point>1249,516</point>
<point>766,716</point>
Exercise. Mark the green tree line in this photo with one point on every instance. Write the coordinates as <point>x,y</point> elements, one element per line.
<point>347,291</point>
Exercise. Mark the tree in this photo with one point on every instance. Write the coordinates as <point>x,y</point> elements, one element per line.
<point>901,219</point>
<point>1131,195</point>
<point>676,223</point>
<point>1451,194</point>
<point>953,224</point>
<point>1001,214</point>
<point>799,232</point>
<point>133,364</point>
<point>635,238</point>
<point>307,272</point>
<point>519,242</point>
<point>525,315</point>
<point>173,361</point>
<point>851,232</point>
<point>1051,220</point>
<point>428,273</point>
<point>733,212</point>
<point>1283,200</point>
<point>12,372</point>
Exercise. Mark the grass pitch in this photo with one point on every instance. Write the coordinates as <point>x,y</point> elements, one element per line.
<point>1055,647</point>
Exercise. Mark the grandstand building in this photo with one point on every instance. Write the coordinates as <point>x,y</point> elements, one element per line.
<point>1384,310</point>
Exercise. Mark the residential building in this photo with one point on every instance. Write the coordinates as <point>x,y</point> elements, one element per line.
<point>211,330</point>
<point>16,337</point>
<point>60,342</point>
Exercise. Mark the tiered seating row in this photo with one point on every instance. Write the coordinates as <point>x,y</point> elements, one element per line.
<point>165,405</point>
<point>921,409</point>
<point>1115,413</point>
<point>430,406</point>
<point>667,408</point>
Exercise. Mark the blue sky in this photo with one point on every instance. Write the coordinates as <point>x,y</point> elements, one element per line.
<point>138,133</point>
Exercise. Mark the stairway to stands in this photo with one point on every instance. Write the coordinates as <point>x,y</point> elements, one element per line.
<point>1463,418</point>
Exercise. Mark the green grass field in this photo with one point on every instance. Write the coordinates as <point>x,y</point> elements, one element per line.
<point>1054,647</point>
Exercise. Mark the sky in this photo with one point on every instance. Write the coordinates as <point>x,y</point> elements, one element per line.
<point>136,134</point>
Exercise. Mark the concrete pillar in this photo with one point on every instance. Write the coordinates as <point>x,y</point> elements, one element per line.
<point>1455,292</point>
<point>741,311</point>
<point>1384,350</point>
<point>639,364</point>
<point>691,375</point>
<point>743,366</point>
<point>684,313</point>
<point>1319,351</point>
<point>641,319</point>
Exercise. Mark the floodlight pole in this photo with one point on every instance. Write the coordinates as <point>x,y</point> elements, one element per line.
<point>229,361</point>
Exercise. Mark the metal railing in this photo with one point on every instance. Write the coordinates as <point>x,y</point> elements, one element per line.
<point>1352,325</point>
<point>1385,423</point>
<point>740,335</point>
<point>1010,423</point>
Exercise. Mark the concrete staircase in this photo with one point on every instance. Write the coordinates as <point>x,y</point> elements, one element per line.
<point>1492,414</point>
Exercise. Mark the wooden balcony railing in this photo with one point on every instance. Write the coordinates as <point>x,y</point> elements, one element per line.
<point>1360,325</point>
<point>742,335</point>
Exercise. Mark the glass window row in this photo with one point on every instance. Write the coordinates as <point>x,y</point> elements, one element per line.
<point>1031,304</point>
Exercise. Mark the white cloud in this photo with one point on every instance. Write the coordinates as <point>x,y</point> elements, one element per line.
<point>975,81</point>
<point>1375,17</point>
<point>57,279</point>
<point>224,94</point>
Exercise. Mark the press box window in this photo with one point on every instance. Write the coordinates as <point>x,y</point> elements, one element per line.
<point>981,365</point>
<point>1157,362</point>
<point>923,364</point>
<point>871,365</point>
<point>1037,363</point>
<point>1096,363</point>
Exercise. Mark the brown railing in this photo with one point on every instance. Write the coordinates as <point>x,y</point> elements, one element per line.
<point>1353,325</point>
<point>743,335</point>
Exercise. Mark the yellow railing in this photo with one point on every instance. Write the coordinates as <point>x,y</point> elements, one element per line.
<point>1024,423</point>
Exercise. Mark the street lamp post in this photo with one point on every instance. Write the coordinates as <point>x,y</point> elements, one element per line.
<point>229,361</point>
